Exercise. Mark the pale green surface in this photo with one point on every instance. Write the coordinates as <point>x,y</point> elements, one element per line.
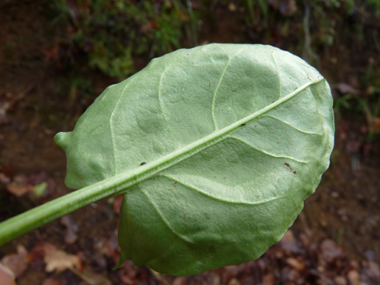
<point>213,192</point>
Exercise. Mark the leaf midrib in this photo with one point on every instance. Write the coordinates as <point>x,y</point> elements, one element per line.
<point>122,181</point>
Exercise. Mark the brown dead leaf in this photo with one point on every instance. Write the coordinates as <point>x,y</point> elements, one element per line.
<point>296,264</point>
<point>39,252</point>
<point>4,179</point>
<point>353,277</point>
<point>6,276</point>
<point>17,190</point>
<point>17,262</point>
<point>60,260</point>
<point>19,186</point>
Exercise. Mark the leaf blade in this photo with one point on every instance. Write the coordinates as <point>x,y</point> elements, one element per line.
<point>260,141</point>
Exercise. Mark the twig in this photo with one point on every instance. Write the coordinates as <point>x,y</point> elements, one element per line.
<point>308,54</point>
<point>192,23</point>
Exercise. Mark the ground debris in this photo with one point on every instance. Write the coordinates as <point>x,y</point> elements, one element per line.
<point>6,275</point>
<point>71,229</point>
<point>60,260</point>
<point>17,262</point>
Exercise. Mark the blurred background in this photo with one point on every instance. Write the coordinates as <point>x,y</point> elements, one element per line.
<point>57,56</point>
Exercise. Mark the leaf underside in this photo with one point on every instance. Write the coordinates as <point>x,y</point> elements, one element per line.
<point>222,144</point>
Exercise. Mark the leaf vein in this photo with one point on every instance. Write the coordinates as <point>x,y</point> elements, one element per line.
<point>217,198</point>
<point>267,153</point>
<point>293,127</point>
<point>184,238</point>
<point>215,93</point>
<point>278,75</point>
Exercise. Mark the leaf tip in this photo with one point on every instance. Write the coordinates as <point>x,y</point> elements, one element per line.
<point>120,263</point>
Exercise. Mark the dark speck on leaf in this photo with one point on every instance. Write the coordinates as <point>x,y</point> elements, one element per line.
<point>243,124</point>
<point>288,166</point>
<point>142,163</point>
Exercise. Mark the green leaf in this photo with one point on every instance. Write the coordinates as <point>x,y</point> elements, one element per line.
<point>220,145</point>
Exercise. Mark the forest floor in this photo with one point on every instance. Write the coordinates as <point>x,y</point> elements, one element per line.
<point>335,240</point>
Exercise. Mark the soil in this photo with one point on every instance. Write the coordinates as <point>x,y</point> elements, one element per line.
<point>344,207</point>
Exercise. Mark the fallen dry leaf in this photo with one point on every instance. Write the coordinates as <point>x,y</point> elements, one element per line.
<point>353,277</point>
<point>6,276</point>
<point>19,186</point>
<point>17,262</point>
<point>4,179</point>
<point>296,264</point>
<point>60,260</point>
<point>38,253</point>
